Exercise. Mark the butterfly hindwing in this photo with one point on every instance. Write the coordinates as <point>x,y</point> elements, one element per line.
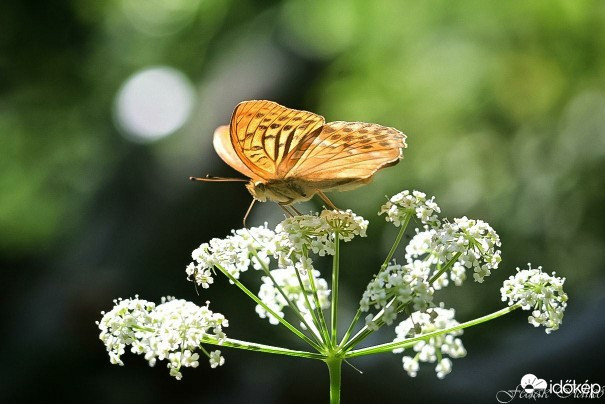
<point>264,133</point>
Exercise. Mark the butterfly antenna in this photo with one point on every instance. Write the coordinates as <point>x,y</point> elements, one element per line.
<point>209,178</point>
<point>327,200</point>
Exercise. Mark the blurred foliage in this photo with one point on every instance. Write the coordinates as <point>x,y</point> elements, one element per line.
<point>503,104</point>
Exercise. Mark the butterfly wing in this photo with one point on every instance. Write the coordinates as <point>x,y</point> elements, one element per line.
<point>264,134</point>
<point>224,148</point>
<point>346,152</point>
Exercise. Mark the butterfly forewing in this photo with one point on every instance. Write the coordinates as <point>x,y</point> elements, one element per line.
<point>346,150</point>
<point>263,133</point>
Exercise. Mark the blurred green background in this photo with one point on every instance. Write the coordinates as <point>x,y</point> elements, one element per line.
<point>107,107</point>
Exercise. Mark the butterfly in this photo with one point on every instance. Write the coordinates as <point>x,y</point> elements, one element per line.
<point>290,155</point>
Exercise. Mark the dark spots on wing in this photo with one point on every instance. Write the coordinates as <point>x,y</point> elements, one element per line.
<point>347,138</point>
<point>270,137</point>
<point>260,115</point>
<point>381,137</point>
<point>328,129</point>
<point>274,126</point>
<point>266,119</point>
<point>296,118</point>
<point>384,144</point>
<point>363,131</point>
<point>365,139</point>
<point>303,126</point>
<point>287,127</point>
<point>310,120</point>
<point>256,148</point>
<point>262,127</point>
<point>368,146</point>
<point>282,118</point>
<point>347,130</point>
<point>336,137</point>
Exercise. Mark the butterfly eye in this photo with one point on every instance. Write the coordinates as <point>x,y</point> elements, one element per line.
<point>259,185</point>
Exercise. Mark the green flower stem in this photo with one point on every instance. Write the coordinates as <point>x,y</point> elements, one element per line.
<point>290,304</point>
<point>411,341</point>
<point>365,331</point>
<point>251,346</point>
<point>268,309</point>
<point>402,229</point>
<point>351,327</point>
<point>335,275</point>
<point>447,266</point>
<point>310,307</point>
<point>334,367</point>
<point>323,326</point>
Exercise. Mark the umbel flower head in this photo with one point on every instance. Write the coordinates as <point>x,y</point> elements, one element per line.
<point>538,292</point>
<point>395,287</point>
<point>472,244</point>
<point>290,245</point>
<point>433,349</point>
<point>405,205</point>
<point>440,253</point>
<point>172,330</point>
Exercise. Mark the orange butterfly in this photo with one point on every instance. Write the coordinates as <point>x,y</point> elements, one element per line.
<point>291,155</point>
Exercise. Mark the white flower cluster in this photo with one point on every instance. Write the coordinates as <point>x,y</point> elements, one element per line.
<point>474,241</point>
<point>287,280</point>
<point>232,253</point>
<point>472,244</point>
<point>172,330</point>
<point>406,204</point>
<point>539,292</point>
<point>292,240</point>
<point>432,349</point>
<point>290,245</point>
<point>316,232</point>
<point>402,284</point>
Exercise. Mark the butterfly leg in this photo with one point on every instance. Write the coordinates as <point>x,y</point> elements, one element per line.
<point>295,210</point>
<point>248,212</point>
<point>283,206</point>
<point>327,200</point>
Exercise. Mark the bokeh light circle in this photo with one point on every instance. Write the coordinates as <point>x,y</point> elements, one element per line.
<point>154,103</point>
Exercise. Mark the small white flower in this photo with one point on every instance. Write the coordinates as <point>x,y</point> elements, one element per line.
<point>410,365</point>
<point>538,292</point>
<point>171,331</point>
<point>431,349</point>
<point>201,276</point>
<point>408,204</point>
<point>216,359</point>
<point>443,368</point>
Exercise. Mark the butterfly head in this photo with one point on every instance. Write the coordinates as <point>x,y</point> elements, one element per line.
<point>258,190</point>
